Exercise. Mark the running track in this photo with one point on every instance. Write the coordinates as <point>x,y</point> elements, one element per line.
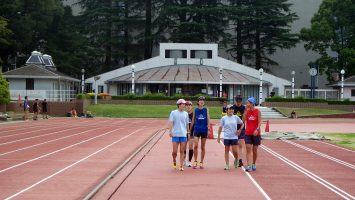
<point>66,159</point>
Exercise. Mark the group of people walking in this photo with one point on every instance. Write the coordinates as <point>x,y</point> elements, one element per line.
<point>189,130</point>
<point>37,108</point>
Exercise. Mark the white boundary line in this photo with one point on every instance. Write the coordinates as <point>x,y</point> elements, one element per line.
<point>5,136</point>
<point>262,191</point>
<point>59,150</point>
<point>69,166</point>
<point>37,136</point>
<point>335,146</point>
<point>311,175</point>
<point>35,145</point>
<point>320,154</point>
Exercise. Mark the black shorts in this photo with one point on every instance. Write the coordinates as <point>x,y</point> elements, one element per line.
<point>251,139</point>
<point>242,135</point>
<point>201,135</point>
<point>230,142</point>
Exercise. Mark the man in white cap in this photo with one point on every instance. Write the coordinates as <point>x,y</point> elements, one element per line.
<point>179,127</point>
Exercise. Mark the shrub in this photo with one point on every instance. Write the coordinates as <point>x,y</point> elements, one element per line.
<point>83,96</point>
<point>4,90</point>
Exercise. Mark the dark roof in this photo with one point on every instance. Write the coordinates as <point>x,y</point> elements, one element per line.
<point>35,71</point>
<point>188,74</point>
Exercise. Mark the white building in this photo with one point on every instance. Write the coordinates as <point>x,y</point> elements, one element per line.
<point>349,87</point>
<point>39,79</point>
<point>189,68</point>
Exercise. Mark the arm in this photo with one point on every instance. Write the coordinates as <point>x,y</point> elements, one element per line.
<point>171,129</point>
<point>259,124</point>
<point>219,134</point>
<point>208,119</point>
<point>193,120</point>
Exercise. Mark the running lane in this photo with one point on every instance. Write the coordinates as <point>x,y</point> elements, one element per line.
<point>54,176</point>
<point>154,178</point>
<point>341,176</point>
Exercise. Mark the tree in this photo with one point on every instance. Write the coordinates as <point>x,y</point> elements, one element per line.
<point>4,35</point>
<point>264,28</point>
<point>193,21</point>
<point>332,35</point>
<point>4,90</point>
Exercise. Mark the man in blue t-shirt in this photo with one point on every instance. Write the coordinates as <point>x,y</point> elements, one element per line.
<point>179,127</point>
<point>239,109</point>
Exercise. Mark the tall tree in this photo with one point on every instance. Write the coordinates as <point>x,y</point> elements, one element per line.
<point>5,34</point>
<point>193,21</point>
<point>4,90</point>
<point>264,28</point>
<point>332,36</point>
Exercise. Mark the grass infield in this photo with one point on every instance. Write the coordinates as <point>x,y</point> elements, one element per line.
<point>346,140</point>
<point>309,111</point>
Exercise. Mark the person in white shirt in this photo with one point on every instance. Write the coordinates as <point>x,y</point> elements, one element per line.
<point>231,132</point>
<point>179,127</point>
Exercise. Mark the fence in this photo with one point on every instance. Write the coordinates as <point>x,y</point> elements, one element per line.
<point>50,95</point>
<point>318,93</point>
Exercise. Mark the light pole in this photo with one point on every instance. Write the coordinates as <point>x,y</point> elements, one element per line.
<point>220,82</point>
<point>293,84</point>
<point>95,79</point>
<point>82,80</point>
<point>261,86</point>
<point>342,72</point>
<point>132,67</point>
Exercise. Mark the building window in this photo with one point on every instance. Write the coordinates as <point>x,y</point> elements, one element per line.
<point>100,89</point>
<point>205,54</point>
<point>169,53</point>
<point>30,82</point>
<point>353,93</point>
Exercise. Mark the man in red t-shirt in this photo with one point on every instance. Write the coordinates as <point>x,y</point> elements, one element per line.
<point>252,120</point>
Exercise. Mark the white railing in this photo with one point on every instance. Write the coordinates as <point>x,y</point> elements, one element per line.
<point>318,93</point>
<point>49,95</point>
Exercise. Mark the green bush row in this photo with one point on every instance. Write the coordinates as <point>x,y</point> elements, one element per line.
<point>152,96</point>
<point>302,99</point>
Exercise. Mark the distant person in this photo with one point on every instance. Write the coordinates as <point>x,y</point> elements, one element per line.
<point>35,108</point>
<point>44,109</point>
<point>224,109</point>
<point>239,109</point>
<point>179,127</point>
<point>73,112</point>
<point>200,122</point>
<point>26,108</point>
<point>190,135</point>
<point>293,114</point>
<point>230,124</point>
<point>252,120</point>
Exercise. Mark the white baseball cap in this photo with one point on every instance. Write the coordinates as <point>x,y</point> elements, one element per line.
<point>181,101</point>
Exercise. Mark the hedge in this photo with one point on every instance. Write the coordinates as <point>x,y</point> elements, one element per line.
<point>151,96</point>
<point>302,99</point>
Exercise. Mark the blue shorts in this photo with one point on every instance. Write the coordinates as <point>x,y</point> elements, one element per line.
<point>230,142</point>
<point>201,135</point>
<point>254,140</point>
<point>242,135</point>
<point>179,139</point>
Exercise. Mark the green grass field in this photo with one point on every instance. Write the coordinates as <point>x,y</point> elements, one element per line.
<point>140,111</point>
<point>309,111</point>
<point>346,140</point>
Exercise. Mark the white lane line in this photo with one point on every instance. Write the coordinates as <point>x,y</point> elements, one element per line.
<point>59,150</point>
<point>37,136</point>
<point>5,136</point>
<point>28,147</point>
<point>311,175</point>
<point>321,154</point>
<point>253,180</point>
<point>69,166</point>
<point>336,146</point>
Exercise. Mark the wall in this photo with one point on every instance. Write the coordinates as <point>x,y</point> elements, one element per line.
<point>350,108</point>
<point>347,93</point>
<point>17,84</point>
<point>59,109</point>
<point>43,84</point>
